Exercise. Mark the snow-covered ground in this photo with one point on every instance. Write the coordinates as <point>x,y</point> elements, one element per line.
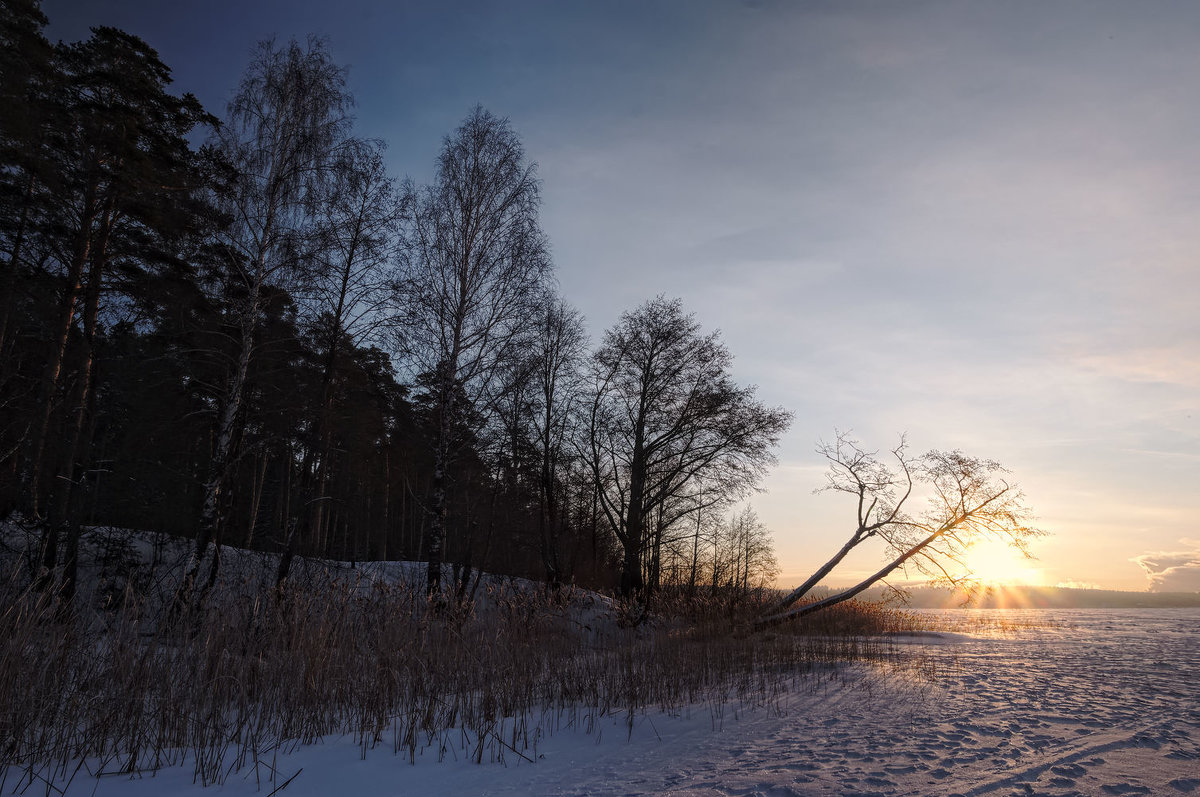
<point>1059,702</point>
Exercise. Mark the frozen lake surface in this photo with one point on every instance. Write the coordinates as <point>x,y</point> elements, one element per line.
<point>1012,702</point>
<point>1053,702</point>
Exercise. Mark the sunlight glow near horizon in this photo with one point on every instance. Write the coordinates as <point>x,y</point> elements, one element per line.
<point>995,563</point>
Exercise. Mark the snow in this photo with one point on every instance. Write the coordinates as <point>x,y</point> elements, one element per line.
<point>1058,702</point>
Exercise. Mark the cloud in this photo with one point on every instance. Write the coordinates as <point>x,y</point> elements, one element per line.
<point>1173,571</point>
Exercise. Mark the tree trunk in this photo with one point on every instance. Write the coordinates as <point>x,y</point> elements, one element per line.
<point>9,281</point>
<point>222,460</point>
<point>691,588</point>
<point>434,539</point>
<point>256,492</point>
<point>548,521</point>
<point>655,576</point>
<point>76,455</point>
<point>66,317</point>
<point>845,595</point>
<point>825,569</point>
<point>435,532</point>
<point>631,568</point>
<point>386,526</point>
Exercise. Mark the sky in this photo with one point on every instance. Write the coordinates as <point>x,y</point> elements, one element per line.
<point>972,223</point>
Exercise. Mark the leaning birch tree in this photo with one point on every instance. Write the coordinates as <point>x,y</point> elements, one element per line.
<point>967,500</point>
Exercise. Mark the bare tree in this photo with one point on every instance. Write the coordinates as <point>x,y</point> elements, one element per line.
<point>357,246</point>
<point>357,235</point>
<point>560,344</point>
<point>751,551</point>
<point>683,554</point>
<point>284,127</point>
<point>703,528</point>
<point>968,500</point>
<point>475,266</point>
<point>665,415</point>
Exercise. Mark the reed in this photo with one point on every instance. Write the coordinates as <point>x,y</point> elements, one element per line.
<point>130,687</point>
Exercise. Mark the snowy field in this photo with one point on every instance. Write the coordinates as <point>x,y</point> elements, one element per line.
<point>1058,702</point>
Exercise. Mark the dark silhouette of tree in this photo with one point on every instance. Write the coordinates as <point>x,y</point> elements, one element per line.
<point>27,75</point>
<point>665,415</point>
<point>284,129</point>
<point>108,183</point>
<point>559,349</point>
<point>745,544</point>
<point>357,225</point>
<point>474,267</point>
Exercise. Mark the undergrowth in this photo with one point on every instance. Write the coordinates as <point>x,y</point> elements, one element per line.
<point>130,688</point>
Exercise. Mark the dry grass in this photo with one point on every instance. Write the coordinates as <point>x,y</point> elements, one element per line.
<point>224,690</point>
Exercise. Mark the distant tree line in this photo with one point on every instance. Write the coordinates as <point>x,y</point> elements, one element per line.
<point>267,341</point>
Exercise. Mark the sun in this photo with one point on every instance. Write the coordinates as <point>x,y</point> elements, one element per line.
<point>995,562</point>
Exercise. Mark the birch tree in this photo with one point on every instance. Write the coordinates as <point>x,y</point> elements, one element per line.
<point>967,500</point>
<point>476,260</point>
<point>357,235</point>
<point>284,127</point>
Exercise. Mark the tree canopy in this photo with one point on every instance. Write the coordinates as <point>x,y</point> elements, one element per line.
<point>668,430</point>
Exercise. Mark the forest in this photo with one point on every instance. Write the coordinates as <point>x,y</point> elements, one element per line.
<point>240,329</point>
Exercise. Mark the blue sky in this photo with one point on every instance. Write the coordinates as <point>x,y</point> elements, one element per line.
<point>972,222</point>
